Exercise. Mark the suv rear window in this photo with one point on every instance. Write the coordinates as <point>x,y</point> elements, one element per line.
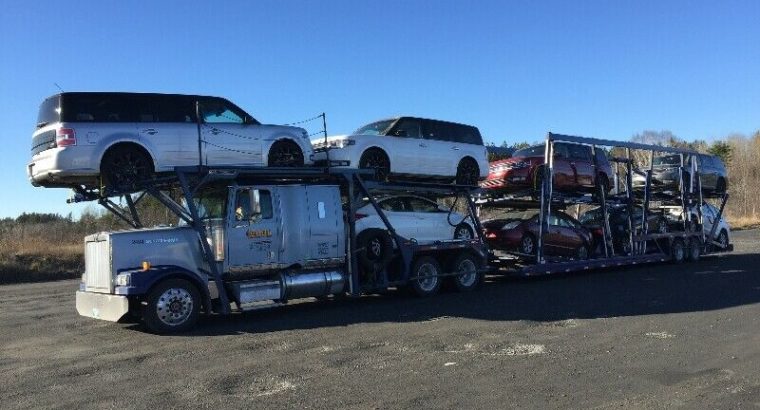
<point>449,131</point>
<point>50,111</point>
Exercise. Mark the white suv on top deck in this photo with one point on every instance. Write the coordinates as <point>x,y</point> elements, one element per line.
<point>111,138</point>
<point>411,146</point>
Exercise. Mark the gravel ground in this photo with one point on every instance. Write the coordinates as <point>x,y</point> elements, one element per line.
<point>647,337</point>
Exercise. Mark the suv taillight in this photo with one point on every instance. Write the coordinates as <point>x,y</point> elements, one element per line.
<point>65,137</point>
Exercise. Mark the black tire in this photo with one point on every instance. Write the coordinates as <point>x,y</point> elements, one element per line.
<point>377,160</point>
<point>425,280</point>
<point>124,166</point>
<point>469,278</point>
<point>463,231</point>
<point>172,306</point>
<point>375,249</point>
<point>582,253</point>
<point>695,250</point>
<point>677,250</point>
<point>468,172</point>
<point>528,244</point>
<point>723,239</point>
<point>285,153</point>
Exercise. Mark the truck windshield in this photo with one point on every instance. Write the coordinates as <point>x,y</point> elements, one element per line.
<point>211,203</point>
<point>375,128</point>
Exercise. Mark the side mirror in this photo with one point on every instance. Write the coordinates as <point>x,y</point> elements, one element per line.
<point>400,133</point>
<point>255,206</point>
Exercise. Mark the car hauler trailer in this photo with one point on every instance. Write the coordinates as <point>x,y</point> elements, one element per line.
<point>259,237</point>
<point>303,242</point>
<point>645,247</point>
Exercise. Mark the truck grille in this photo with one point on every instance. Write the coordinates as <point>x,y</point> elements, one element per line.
<point>97,262</point>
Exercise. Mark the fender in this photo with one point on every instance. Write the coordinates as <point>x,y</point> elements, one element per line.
<point>141,281</point>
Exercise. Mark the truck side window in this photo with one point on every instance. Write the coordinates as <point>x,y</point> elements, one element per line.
<point>253,205</point>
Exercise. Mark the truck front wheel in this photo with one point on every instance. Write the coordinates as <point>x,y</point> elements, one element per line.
<point>172,306</point>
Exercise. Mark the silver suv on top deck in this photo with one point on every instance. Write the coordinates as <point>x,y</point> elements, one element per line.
<point>100,139</point>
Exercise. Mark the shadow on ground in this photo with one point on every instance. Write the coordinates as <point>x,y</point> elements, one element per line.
<point>715,283</point>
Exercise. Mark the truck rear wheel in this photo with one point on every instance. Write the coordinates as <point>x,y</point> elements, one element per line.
<point>375,249</point>
<point>172,306</point>
<point>426,278</point>
<point>467,265</point>
<point>677,250</point>
<point>695,249</point>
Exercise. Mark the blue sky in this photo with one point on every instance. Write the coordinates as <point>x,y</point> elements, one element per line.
<point>515,69</point>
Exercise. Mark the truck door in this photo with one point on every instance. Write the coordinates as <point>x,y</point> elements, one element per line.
<point>252,240</point>
<point>325,223</point>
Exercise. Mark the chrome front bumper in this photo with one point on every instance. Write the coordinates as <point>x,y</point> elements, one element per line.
<point>102,305</point>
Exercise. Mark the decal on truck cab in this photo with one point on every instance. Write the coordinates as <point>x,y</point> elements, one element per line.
<point>263,233</point>
<point>154,241</point>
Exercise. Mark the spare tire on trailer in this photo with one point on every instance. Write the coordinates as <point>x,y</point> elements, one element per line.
<point>375,249</point>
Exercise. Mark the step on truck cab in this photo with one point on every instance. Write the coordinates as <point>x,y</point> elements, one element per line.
<point>256,245</point>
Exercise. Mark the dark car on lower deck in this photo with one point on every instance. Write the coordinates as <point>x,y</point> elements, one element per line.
<point>518,232</point>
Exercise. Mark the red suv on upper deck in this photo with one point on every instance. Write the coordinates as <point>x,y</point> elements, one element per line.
<point>574,169</point>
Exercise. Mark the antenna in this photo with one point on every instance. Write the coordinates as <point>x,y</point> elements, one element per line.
<point>58,86</point>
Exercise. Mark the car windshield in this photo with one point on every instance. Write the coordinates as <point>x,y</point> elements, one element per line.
<point>668,160</point>
<point>375,128</point>
<point>535,151</point>
<point>591,217</point>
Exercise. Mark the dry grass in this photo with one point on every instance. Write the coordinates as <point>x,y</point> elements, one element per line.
<point>39,252</point>
<point>743,222</point>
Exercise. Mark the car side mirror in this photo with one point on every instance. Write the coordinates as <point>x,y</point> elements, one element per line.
<point>400,133</point>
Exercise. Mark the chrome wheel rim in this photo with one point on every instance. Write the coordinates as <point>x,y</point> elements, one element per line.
<point>174,306</point>
<point>527,245</point>
<point>427,277</point>
<point>463,233</point>
<point>468,273</point>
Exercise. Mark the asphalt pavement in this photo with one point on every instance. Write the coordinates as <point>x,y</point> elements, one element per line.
<point>657,336</point>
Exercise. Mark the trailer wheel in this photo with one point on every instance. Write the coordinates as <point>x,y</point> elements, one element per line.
<point>426,280</point>
<point>375,249</point>
<point>695,249</point>
<point>677,250</point>
<point>172,306</point>
<point>467,265</point>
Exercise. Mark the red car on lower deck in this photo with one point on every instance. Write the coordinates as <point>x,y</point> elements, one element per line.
<point>574,169</point>
<point>518,232</point>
